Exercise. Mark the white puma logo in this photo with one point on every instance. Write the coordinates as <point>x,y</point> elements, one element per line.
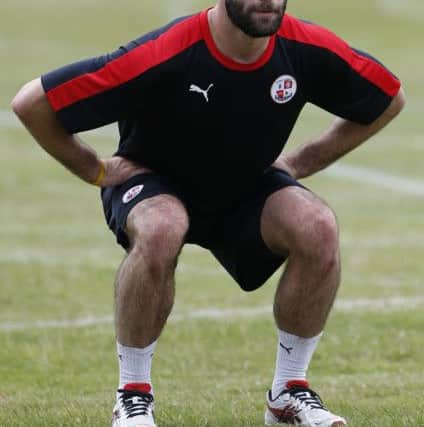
<point>195,88</point>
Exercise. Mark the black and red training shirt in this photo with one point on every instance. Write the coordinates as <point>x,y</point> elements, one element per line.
<point>211,124</point>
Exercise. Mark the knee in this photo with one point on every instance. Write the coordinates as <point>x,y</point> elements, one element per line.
<point>325,228</point>
<point>164,239</point>
<point>158,243</point>
<point>320,237</point>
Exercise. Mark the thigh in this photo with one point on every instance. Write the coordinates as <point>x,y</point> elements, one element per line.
<point>237,240</point>
<point>294,217</point>
<point>138,205</point>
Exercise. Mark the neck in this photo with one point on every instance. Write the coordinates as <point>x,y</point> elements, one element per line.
<point>231,41</point>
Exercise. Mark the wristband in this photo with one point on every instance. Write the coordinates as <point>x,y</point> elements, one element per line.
<point>101,174</point>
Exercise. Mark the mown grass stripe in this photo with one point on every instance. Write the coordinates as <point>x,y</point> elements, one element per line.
<point>214,313</point>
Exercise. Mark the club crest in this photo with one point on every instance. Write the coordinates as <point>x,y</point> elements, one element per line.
<point>132,193</point>
<point>283,89</point>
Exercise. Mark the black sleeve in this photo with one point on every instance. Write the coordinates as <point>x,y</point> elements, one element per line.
<point>109,88</point>
<point>101,90</point>
<point>344,81</point>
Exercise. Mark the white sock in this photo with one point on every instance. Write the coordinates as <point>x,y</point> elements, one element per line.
<point>135,364</point>
<point>293,357</point>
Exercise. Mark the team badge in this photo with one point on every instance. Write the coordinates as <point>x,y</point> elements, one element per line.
<point>283,89</point>
<point>132,193</point>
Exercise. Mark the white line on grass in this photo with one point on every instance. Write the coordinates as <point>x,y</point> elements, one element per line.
<point>342,305</point>
<point>408,9</point>
<point>179,8</point>
<point>373,177</point>
<point>407,186</point>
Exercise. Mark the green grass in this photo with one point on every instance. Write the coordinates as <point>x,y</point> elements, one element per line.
<point>58,260</point>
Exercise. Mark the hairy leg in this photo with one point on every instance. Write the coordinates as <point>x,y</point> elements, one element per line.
<point>144,289</point>
<point>298,223</point>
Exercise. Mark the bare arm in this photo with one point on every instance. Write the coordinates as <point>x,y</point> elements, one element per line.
<point>342,137</point>
<point>34,111</point>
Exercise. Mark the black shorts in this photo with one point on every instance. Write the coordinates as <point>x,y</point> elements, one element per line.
<point>233,236</point>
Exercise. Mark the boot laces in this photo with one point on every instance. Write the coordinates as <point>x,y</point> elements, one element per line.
<point>306,398</point>
<point>136,403</point>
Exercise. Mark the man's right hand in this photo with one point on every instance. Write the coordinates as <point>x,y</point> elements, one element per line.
<point>33,109</point>
<point>117,170</point>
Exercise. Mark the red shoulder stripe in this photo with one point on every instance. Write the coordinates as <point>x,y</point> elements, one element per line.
<point>294,29</point>
<point>127,67</point>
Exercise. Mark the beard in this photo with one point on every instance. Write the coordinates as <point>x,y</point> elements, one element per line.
<point>248,20</point>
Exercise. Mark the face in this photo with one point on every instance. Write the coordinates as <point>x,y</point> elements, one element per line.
<point>256,18</point>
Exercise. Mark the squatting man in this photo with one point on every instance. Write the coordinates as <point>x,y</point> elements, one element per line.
<point>205,106</point>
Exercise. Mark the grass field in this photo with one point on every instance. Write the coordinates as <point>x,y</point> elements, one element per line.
<point>214,362</point>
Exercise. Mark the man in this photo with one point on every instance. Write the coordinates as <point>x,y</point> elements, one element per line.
<point>205,106</point>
